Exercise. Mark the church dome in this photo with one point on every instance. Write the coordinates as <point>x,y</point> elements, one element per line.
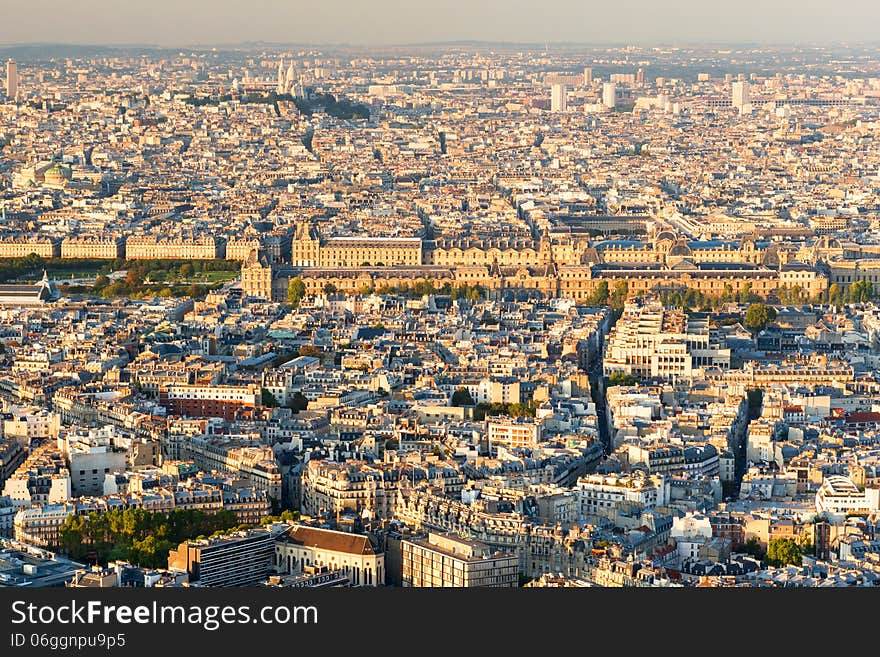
<point>57,174</point>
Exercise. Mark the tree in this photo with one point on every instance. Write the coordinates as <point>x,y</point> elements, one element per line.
<point>268,399</point>
<point>619,295</point>
<point>462,397</point>
<point>599,296</point>
<point>753,547</point>
<point>329,288</point>
<point>784,551</point>
<point>299,402</point>
<point>186,270</point>
<point>310,350</point>
<point>474,294</point>
<point>758,316</point>
<point>746,295</point>
<point>296,290</point>
<point>861,291</point>
<point>621,379</point>
<point>133,277</point>
<point>836,295</point>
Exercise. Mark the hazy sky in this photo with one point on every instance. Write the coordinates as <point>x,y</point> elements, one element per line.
<point>377,22</point>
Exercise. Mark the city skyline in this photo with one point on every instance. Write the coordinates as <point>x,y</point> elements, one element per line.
<point>307,317</point>
<point>389,23</point>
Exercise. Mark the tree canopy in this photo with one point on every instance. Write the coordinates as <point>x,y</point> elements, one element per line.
<point>784,551</point>
<point>621,379</point>
<point>138,536</point>
<point>296,291</point>
<point>462,397</point>
<point>619,295</point>
<point>758,316</point>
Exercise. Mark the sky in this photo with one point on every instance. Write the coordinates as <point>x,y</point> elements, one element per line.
<point>173,23</point>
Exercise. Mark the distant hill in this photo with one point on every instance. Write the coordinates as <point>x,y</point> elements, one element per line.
<point>39,51</point>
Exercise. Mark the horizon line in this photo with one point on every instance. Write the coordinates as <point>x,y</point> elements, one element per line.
<point>543,44</point>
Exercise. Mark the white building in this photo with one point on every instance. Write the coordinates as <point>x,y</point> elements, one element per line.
<point>740,91</point>
<point>690,534</point>
<point>11,79</point>
<point>601,495</point>
<point>609,94</point>
<point>33,423</point>
<point>652,341</point>
<point>91,454</point>
<point>558,98</point>
<point>445,560</point>
<point>839,494</point>
<point>302,548</point>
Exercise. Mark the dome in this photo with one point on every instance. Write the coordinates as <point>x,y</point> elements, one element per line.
<point>666,235</point>
<point>680,249</point>
<point>57,174</point>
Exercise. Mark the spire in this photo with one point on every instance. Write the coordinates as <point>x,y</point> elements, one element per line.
<point>280,86</point>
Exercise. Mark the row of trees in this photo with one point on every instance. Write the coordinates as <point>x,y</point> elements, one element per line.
<point>603,295</point>
<point>138,270</point>
<point>687,298</point>
<point>296,290</point>
<point>779,552</point>
<point>138,536</point>
<point>297,403</point>
<point>11,268</point>
<point>516,409</point>
<point>108,289</point>
<point>621,379</point>
<point>858,292</point>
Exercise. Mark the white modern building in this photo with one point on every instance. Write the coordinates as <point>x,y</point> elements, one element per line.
<point>609,95</point>
<point>558,99</point>
<point>839,494</point>
<point>11,79</point>
<point>740,91</point>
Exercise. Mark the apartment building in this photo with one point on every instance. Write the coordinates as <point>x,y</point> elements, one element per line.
<point>652,341</point>
<point>209,401</point>
<point>514,433</point>
<point>446,560</point>
<point>93,246</point>
<point>603,495</point>
<point>238,559</point>
<point>21,246</point>
<point>153,247</point>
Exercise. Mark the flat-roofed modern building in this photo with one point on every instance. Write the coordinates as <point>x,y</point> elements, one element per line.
<point>445,560</point>
<point>24,565</point>
<point>239,559</point>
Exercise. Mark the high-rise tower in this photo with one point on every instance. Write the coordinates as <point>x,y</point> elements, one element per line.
<point>558,100</point>
<point>11,79</point>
